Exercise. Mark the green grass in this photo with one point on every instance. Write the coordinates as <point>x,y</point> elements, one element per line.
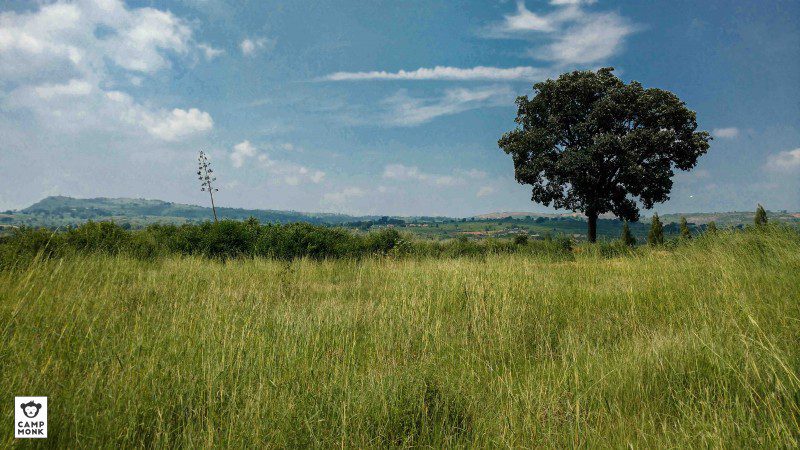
<point>698,346</point>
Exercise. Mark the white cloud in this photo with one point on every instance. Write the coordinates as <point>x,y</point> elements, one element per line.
<point>446,73</point>
<point>725,133</point>
<point>485,191</point>
<point>344,195</point>
<point>403,110</point>
<point>784,162</point>
<point>178,123</point>
<point>241,152</point>
<point>143,36</point>
<point>283,171</point>
<point>250,47</point>
<point>594,38</point>
<point>81,37</point>
<point>74,87</point>
<point>525,20</point>
<point>577,36</point>
<point>62,59</point>
<point>166,125</point>
<point>210,52</point>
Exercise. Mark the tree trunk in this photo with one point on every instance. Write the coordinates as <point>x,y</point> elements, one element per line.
<point>592,216</point>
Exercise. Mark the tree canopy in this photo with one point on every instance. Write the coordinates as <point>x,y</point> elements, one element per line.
<point>590,142</point>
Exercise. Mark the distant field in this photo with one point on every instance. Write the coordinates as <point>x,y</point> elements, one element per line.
<point>696,346</point>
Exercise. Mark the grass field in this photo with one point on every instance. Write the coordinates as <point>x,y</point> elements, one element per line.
<point>696,346</point>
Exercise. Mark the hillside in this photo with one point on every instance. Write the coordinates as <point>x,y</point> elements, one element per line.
<point>59,210</point>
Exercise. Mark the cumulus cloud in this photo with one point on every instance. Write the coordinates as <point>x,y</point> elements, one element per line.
<point>178,123</point>
<point>784,162</point>
<point>250,47</point>
<point>83,36</point>
<point>404,110</point>
<point>61,59</point>
<point>725,133</point>
<point>163,124</point>
<point>241,152</point>
<point>445,73</point>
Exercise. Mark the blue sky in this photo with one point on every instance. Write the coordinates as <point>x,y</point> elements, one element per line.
<point>379,107</point>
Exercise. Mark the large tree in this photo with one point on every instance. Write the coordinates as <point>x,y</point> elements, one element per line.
<point>589,142</point>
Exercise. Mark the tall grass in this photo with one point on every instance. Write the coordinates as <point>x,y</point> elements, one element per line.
<point>694,346</point>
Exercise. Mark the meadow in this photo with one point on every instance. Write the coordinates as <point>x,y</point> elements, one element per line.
<point>696,344</point>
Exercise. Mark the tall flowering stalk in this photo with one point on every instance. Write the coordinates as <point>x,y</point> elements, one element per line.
<point>206,176</point>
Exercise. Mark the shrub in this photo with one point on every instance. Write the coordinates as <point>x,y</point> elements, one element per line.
<point>684,228</point>
<point>626,237</point>
<point>104,237</point>
<point>656,234</point>
<point>760,218</point>
<point>383,241</point>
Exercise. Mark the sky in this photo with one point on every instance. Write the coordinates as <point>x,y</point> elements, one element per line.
<point>379,107</point>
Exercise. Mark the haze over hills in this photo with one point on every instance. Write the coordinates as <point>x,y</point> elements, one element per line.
<point>62,211</point>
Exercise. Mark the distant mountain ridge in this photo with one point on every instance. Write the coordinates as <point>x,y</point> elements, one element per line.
<point>62,211</point>
<point>103,207</point>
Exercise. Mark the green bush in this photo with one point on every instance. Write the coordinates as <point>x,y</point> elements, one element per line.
<point>247,239</point>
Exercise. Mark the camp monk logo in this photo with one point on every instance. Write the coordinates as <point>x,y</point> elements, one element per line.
<point>30,417</point>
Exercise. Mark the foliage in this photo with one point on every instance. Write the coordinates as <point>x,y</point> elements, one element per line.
<point>626,237</point>
<point>589,142</point>
<point>246,239</point>
<point>711,228</point>
<point>760,218</point>
<point>656,234</point>
<point>684,227</point>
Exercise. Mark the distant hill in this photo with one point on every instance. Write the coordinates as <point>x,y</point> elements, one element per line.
<point>59,210</point>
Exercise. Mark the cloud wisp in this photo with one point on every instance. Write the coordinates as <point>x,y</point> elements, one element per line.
<point>725,133</point>
<point>406,111</point>
<point>250,47</point>
<point>342,197</point>
<point>287,172</point>
<point>402,172</point>
<point>446,73</point>
<point>576,35</point>
<point>786,162</point>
